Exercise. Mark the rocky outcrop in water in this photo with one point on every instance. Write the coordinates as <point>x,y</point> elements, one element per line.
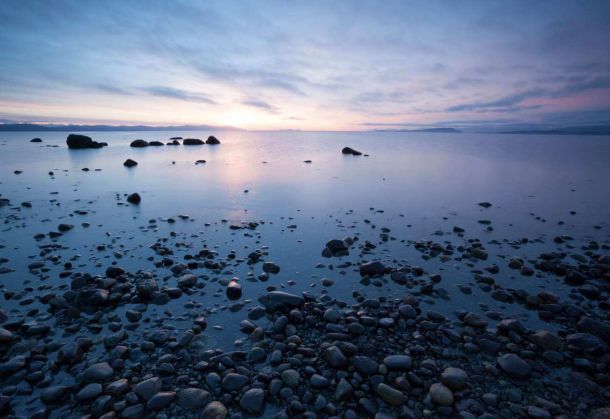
<point>139,143</point>
<point>76,141</point>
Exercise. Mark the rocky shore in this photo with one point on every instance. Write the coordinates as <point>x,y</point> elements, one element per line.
<point>315,356</point>
<point>93,331</point>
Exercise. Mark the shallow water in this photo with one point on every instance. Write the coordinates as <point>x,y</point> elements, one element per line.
<point>418,185</point>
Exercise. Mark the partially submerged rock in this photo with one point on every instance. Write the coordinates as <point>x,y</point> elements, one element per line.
<point>76,141</point>
<point>139,143</point>
<point>349,150</point>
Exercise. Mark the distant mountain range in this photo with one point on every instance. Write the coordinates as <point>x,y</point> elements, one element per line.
<point>442,130</point>
<point>84,128</point>
<point>583,130</point>
<point>573,130</point>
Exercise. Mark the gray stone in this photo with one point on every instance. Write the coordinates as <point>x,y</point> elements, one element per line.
<point>441,395</point>
<point>391,395</point>
<point>253,401</point>
<point>233,381</point>
<point>454,378</point>
<point>193,398</point>
<point>398,362</point>
<point>514,366</point>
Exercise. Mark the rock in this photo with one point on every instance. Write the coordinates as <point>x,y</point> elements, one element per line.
<point>214,410</point>
<point>290,377</point>
<point>53,394</point>
<point>139,143</point>
<point>187,281</point>
<point>212,140</point>
<point>70,354</point>
<point>118,387</point>
<point>485,204</point>
<point>375,268</point>
<point>135,411</point>
<point>192,141</point>
<point>233,381</point>
<point>546,340</point>
<point>114,271</point>
<point>398,362</point>
<point>365,365</point>
<point>337,248</point>
<point>134,198</point>
<point>514,366</point>
<point>474,320</point>
<point>344,390</point>
<point>155,143</point>
<point>65,227</point>
<point>76,141</point>
<point>271,268</point>
<point>36,140</point>
<point>253,401</point>
<point>441,395</point>
<point>99,372</point>
<point>130,163</point>
<point>257,355</point>
<point>334,358</point>
<point>233,290</point>
<point>89,392</point>
<point>349,150</point>
<point>536,412</point>
<point>391,395</point>
<point>146,288</point>
<point>586,342</point>
<point>594,327</point>
<point>275,300</point>
<point>6,337</point>
<point>161,400</point>
<point>148,388</point>
<point>454,378</point>
<point>406,310</point>
<point>318,381</point>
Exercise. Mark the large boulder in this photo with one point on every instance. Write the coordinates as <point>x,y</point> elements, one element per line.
<point>212,140</point>
<point>349,150</point>
<point>76,141</point>
<point>139,143</point>
<point>374,268</point>
<point>274,300</point>
<point>192,141</point>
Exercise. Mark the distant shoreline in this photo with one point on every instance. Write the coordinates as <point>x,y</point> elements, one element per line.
<point>599,130</point>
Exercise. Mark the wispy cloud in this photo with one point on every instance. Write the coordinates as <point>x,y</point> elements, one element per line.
<point>504,103</point>
<point>171,93</point>
<point>257,103</point>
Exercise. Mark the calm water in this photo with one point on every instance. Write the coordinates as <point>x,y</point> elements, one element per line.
<point>417,185</point>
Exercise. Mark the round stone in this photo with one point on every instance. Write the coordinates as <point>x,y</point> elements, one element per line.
<point>441,395</point>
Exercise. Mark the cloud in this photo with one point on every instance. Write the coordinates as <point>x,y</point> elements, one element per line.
<point>170,92</point>
<point>106,88</point>
<point>256,103</point>
<point>504,103</point>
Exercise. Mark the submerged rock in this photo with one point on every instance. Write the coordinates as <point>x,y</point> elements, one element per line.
<point>130,163</point>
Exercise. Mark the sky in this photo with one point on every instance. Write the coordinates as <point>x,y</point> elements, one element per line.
<point>311,65</point>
